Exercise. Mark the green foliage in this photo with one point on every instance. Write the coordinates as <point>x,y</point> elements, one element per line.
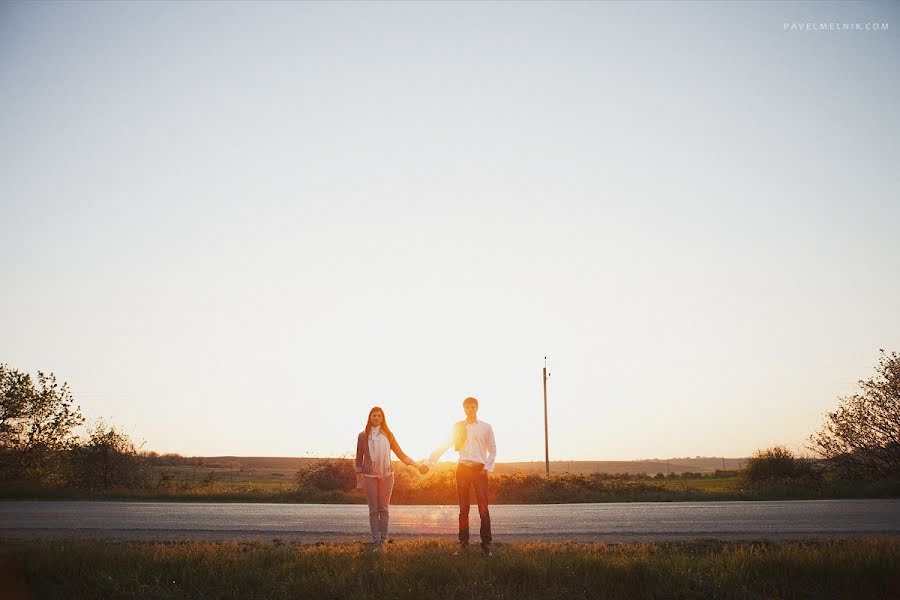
<point>861,439</point>
<point>36,426</point>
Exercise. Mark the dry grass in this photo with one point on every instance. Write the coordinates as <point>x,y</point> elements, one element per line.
<point>419,569</point>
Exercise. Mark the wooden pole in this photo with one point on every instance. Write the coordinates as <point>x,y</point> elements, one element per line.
<point>546,438</point>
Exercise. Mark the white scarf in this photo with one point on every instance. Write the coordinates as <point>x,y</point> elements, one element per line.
<point>380,452</point>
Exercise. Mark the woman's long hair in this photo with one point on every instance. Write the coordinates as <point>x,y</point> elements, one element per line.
<point>384,426</point>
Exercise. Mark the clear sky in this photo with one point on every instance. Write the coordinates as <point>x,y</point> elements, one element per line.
<point>233,228</point>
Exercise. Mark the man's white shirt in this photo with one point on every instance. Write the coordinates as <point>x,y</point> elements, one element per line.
<point>479,447</point>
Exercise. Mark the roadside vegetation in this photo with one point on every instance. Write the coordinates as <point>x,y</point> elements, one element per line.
<point>856,454</point>
<point>419,569</point>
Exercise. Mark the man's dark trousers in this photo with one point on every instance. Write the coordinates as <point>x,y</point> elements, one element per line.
<point>469,476</point>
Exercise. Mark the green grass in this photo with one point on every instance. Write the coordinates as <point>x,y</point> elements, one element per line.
<point>420,569</point>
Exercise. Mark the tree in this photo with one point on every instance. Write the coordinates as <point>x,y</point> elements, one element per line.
<point>862,437</point>
<point>36,424</point>
<point>106,460</point>
<point>14,390</point>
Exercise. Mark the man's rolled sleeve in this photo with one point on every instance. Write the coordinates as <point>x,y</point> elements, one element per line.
<point>491,450</point>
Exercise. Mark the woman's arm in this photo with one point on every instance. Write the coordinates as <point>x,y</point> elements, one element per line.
<point>360,444</point>
<point>396,448</point>
<point>404,458</point>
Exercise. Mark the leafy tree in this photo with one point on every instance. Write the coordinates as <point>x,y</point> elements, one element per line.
<point>36,424</point>
<point>108,459</point>
<point>862,437</point>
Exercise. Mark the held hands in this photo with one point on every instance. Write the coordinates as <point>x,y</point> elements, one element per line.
<point>423,468</point>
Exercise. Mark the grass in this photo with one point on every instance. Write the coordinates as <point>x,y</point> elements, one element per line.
<point>419,569</point>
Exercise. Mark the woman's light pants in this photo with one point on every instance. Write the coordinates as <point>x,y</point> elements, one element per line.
<point>378,493</point>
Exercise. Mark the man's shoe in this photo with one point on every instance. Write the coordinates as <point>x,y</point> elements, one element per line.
<point>376,549</point>
<point>486,550</point>
<point>461,550</point>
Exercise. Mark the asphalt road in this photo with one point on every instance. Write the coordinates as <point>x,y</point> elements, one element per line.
<point>625,522</point>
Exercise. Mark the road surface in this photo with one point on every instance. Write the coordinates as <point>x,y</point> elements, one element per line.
<point>620,522</point>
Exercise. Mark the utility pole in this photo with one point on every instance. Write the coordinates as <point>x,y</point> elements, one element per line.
<point>546,438</point>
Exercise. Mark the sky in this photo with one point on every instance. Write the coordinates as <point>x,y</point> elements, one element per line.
<point>234,228</point>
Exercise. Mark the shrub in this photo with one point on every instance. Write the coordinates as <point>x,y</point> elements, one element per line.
<point>778,465</point>
<point>108,459</point>
<point>327,474</point>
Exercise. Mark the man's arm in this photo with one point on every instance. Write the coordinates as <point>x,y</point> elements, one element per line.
<point>491,450</point>
<point>406,460</point>
<point>437,454</point>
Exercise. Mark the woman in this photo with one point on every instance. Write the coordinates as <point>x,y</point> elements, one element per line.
<point>374,473</point>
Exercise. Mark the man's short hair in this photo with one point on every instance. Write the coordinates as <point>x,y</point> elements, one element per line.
<point>470,400</point>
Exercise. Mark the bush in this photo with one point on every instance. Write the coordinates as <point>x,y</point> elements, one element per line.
<point>327,474</point>
<point>778,465</point>
<point>108,460</point>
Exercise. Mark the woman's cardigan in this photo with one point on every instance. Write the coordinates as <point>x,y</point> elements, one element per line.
<point>364,460</point>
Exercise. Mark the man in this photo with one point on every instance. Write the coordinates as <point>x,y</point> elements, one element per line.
<point>474,440</point>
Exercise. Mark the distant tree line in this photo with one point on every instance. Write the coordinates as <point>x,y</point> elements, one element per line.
<point>173,459</point>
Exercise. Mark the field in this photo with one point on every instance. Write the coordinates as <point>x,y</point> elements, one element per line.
<point>650,467</point>
<point>261,478</point>
<point>419,569</point>
<point>203,480</point>
<point>229,479</point>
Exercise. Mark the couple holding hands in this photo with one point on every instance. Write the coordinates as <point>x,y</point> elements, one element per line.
<point>473,439</point>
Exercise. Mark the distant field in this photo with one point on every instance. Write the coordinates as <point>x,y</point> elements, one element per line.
<point>241,479</point>
<point>261,479</point>
<point>420,569</point>
<point>205,481</point>
<point>215,475</point>
<point>218,476</point>
<point>636,467</point>
<point>671,465</point>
